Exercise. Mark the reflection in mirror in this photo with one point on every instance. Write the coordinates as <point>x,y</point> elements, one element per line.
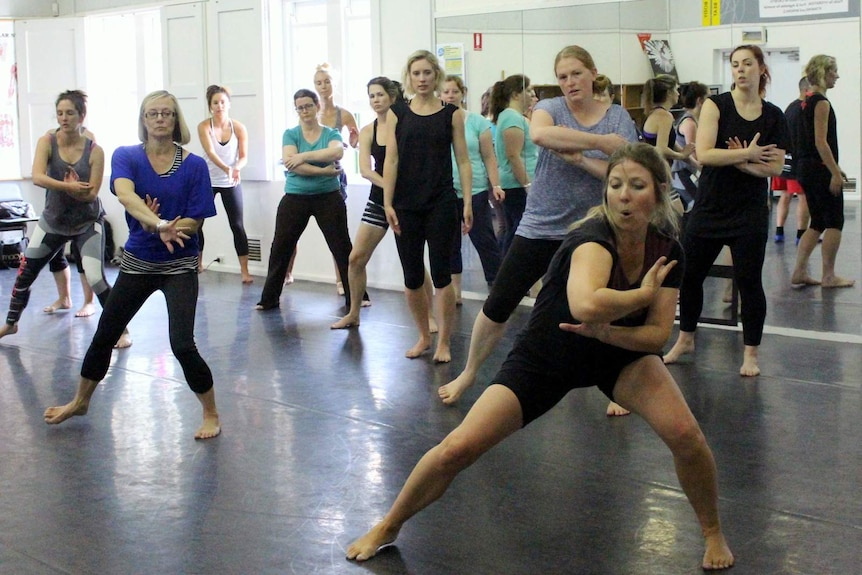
<point>502,44</point>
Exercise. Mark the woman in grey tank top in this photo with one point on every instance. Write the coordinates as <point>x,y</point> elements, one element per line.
<point>70,167</point>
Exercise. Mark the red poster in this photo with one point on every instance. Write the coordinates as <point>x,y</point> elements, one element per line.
<point>642,38</point>
<point>477,41</point>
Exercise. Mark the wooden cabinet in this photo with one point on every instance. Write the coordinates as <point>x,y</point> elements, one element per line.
<point>544,91</point>
<point>626,95</point>
<point>630,98</point>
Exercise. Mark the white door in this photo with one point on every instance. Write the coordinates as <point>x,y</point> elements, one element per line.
<point>185,64</point>
<point>236,42</point>
<point>51,59</point>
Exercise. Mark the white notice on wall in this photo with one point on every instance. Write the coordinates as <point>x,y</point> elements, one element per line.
<point>785,8</point>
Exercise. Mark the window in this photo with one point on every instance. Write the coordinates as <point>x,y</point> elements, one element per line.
<point>337,32</point>
<point>10,164</point>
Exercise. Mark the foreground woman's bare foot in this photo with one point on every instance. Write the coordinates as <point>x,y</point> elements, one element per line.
<point>209,428</point>
<point>717,554</point>
<point>247,279</point>
<point>432,325</point>
<point>60,304</point>
<point>86,310</point>
<point>423,345</point>
<point>8,329</point>
<point>837,282</point>
<point>749,362</point>
<point>683,345</point>
<point>345,322</point>
<point>616,410</point>
<point>443,353</point>
<point>124,341</point>
<point>60,413</point>
<point>802,279</point>
<point>450,392</point>
<point>369,544</point>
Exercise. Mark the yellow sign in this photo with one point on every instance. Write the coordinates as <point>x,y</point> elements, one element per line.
<point>711,12</point>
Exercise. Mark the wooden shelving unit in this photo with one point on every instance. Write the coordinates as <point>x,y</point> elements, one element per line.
<point>630,99</point>
<point>544,91</point>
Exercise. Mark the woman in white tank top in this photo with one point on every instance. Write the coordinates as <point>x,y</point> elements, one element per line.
<point>225,145</point>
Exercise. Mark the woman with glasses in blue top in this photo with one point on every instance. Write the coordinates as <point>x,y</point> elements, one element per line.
<point>166,193</point>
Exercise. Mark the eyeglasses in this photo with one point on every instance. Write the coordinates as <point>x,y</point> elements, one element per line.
<point>305,107</point>
<point>153,114</point>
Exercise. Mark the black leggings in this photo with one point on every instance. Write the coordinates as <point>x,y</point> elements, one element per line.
<point>438,226</point>
<point>513,209</point>
<point>482,236</point>
<point>129,294</point>
<point>748,254</point>
<point>232,200</point>
<point>291,219</point>
<point>43,247</point>
<point>524,264</point>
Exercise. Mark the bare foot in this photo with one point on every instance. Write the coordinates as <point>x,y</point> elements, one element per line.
<point>59,414</point>
<point>365,303</point>
<point>8,329</point>
<point>837,282</point>
<point>247,279</point>
<point>727,297</point>
<point>124,341</point>
<point>421,347</point>
<point>60,304</point>
<point>432,325</point>
<point>369,544</point>
<point>680,348</point>
<point>749,362</point>
<point>450,392</point>
<point>717,554</point>
<point>339,288</point>
<point>209,428</point>
<point>616,410</point>
<point>345,322</point>
<point>86,310</point>
<point>288,279</point>
<point>443,353</point>
<point>803,280</point>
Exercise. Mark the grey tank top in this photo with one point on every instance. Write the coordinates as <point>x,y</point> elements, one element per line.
<point>63,214</point>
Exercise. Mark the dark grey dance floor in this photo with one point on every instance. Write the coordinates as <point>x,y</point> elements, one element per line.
<point>320,429</point>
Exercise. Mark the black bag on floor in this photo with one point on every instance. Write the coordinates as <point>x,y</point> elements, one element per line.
<point>10,256</point>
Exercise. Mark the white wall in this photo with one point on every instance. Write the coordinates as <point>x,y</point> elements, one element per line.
<point>25,8</point>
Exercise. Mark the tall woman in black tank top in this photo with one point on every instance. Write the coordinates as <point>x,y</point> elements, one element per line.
<point>382,93</point>
<point>418,195</point>
<point>820,175</point>
<point>741,139</point>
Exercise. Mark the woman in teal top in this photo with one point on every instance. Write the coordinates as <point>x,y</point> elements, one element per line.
<point>310,153</point>
<point>516,152</point>
<point>480,148</point>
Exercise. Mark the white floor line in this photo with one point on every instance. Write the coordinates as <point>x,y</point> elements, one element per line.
<point>767,329</point>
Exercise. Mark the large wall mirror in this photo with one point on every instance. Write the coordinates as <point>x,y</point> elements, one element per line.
<point>526,41</point>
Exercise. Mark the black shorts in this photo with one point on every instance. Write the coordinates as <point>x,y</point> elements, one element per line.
<point>374,215</point>
<point>826,208</point>
<point>539,389</point>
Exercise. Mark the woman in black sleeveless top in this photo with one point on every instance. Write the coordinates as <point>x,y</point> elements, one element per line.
<point>418,195</point>
<point>382,94</point>
<point>741,139</point>
<point>820,175</point>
